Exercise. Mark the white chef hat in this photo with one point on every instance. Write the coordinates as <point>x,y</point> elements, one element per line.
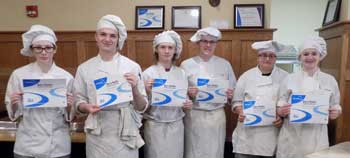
<point>272,46</point>
<point>315,42</point>
<point>212,31</point>
<point>115,23</point>
<point>36,33</point>
<point>169,37</point>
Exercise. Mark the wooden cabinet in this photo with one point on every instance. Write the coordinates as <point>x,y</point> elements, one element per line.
<point>337,63</point>
<point>76,47</point>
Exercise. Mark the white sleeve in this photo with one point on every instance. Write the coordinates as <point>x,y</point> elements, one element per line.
<point>79,91</point>
<point>13,86</point>
<point>238,95</point>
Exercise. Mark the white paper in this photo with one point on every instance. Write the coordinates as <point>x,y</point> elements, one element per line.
<point>249,16</point>
<point>39,93</point>
<point>111,90</point>
<point>187,18</point>
<point>211,90</point>
<point>260,112</point>
<point>331,11</point>
<point>169,92</point>
<point>311,107</point>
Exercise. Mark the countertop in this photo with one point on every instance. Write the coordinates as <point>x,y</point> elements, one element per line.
<point>10,136</point>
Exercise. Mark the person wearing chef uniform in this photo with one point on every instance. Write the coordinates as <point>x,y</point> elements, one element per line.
<point>163,128</point>
<point>44,131</point>
<point>299,139</point>
<point>260,84</point>
<point>112,131</point>
<point>205,124</point>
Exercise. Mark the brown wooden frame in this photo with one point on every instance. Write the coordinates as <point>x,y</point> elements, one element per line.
<point>173,22</point>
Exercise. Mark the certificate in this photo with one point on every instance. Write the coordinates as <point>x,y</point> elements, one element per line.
<point>259,112</point>
<point>39,93</point>
<point>249,15</point>
<point>211,90</point>
<point>111,90</point>
<point>311,107</point>
<point>169,92</point>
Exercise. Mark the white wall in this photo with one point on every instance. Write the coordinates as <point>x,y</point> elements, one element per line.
<point>81,15</point>
<point>296,19</point>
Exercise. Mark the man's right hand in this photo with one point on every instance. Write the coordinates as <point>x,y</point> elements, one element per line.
<point>88,108</point>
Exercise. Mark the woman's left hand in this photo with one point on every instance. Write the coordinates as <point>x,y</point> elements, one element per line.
<point>278,122</point>
<point>70,100</point>
<point>333,113</point>
<point>187,105</point>
<point>229,93</point>
<point>132,79</point>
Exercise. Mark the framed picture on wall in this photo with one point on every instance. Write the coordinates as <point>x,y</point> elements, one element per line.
<point>184,17</point>
<point>149,17</point>
<point>332,12</point>
<point>248,15</point>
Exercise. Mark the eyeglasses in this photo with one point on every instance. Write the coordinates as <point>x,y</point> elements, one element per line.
<point>208,42</point>
<point>39,50</point>
<point>265,56</point>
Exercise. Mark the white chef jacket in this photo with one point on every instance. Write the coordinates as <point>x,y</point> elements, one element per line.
<point>113,131</point>
<point>298,140</point>
<point>259,140</point>
<point>42,132</point>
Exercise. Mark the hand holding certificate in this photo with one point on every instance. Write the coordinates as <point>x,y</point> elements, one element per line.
<point>111,90</point>
<point>311,107</point>
<point>38,93</point>
<point>169,92</point>
<point>212,90</point>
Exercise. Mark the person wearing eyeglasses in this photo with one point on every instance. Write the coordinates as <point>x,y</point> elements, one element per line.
<point>111,131</point>
<point>298,138</point>
<point>255,135</point>
<point>42,132</point>
<point>205,125</point>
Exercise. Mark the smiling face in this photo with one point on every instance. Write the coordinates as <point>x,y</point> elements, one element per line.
<point>310,58</point>
<point>107,40</point>
<point>43,52</point>
<point>266,61</point>
<point>166,52</point>
<point>207,45</point>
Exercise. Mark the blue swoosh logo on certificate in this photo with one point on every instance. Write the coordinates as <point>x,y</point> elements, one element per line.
<point>122,89</point>
<point>112,98</point>
<point>220,92</point>
<point>306,117</point>
<point>30,82</point>
<point>202,81</point>
<point>267,113</point>
<point>166,100</point>
<point>317,110</point>
<point>158,82</point>
<point>297,98</point>
<point>99,83</point>
<point>248,104</point>
<point>43,100</point>
<point>255,121</point>
<point>207,96</point>
<point>176,93</point>
<point>53,92</point>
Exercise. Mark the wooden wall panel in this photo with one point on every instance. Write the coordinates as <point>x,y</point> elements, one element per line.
<point>144,53</point>
<point>331,63</point>
<point>77,47</point>
<point>337,63</point>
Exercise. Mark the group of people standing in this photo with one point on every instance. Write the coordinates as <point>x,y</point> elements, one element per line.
<point>192,130</point>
